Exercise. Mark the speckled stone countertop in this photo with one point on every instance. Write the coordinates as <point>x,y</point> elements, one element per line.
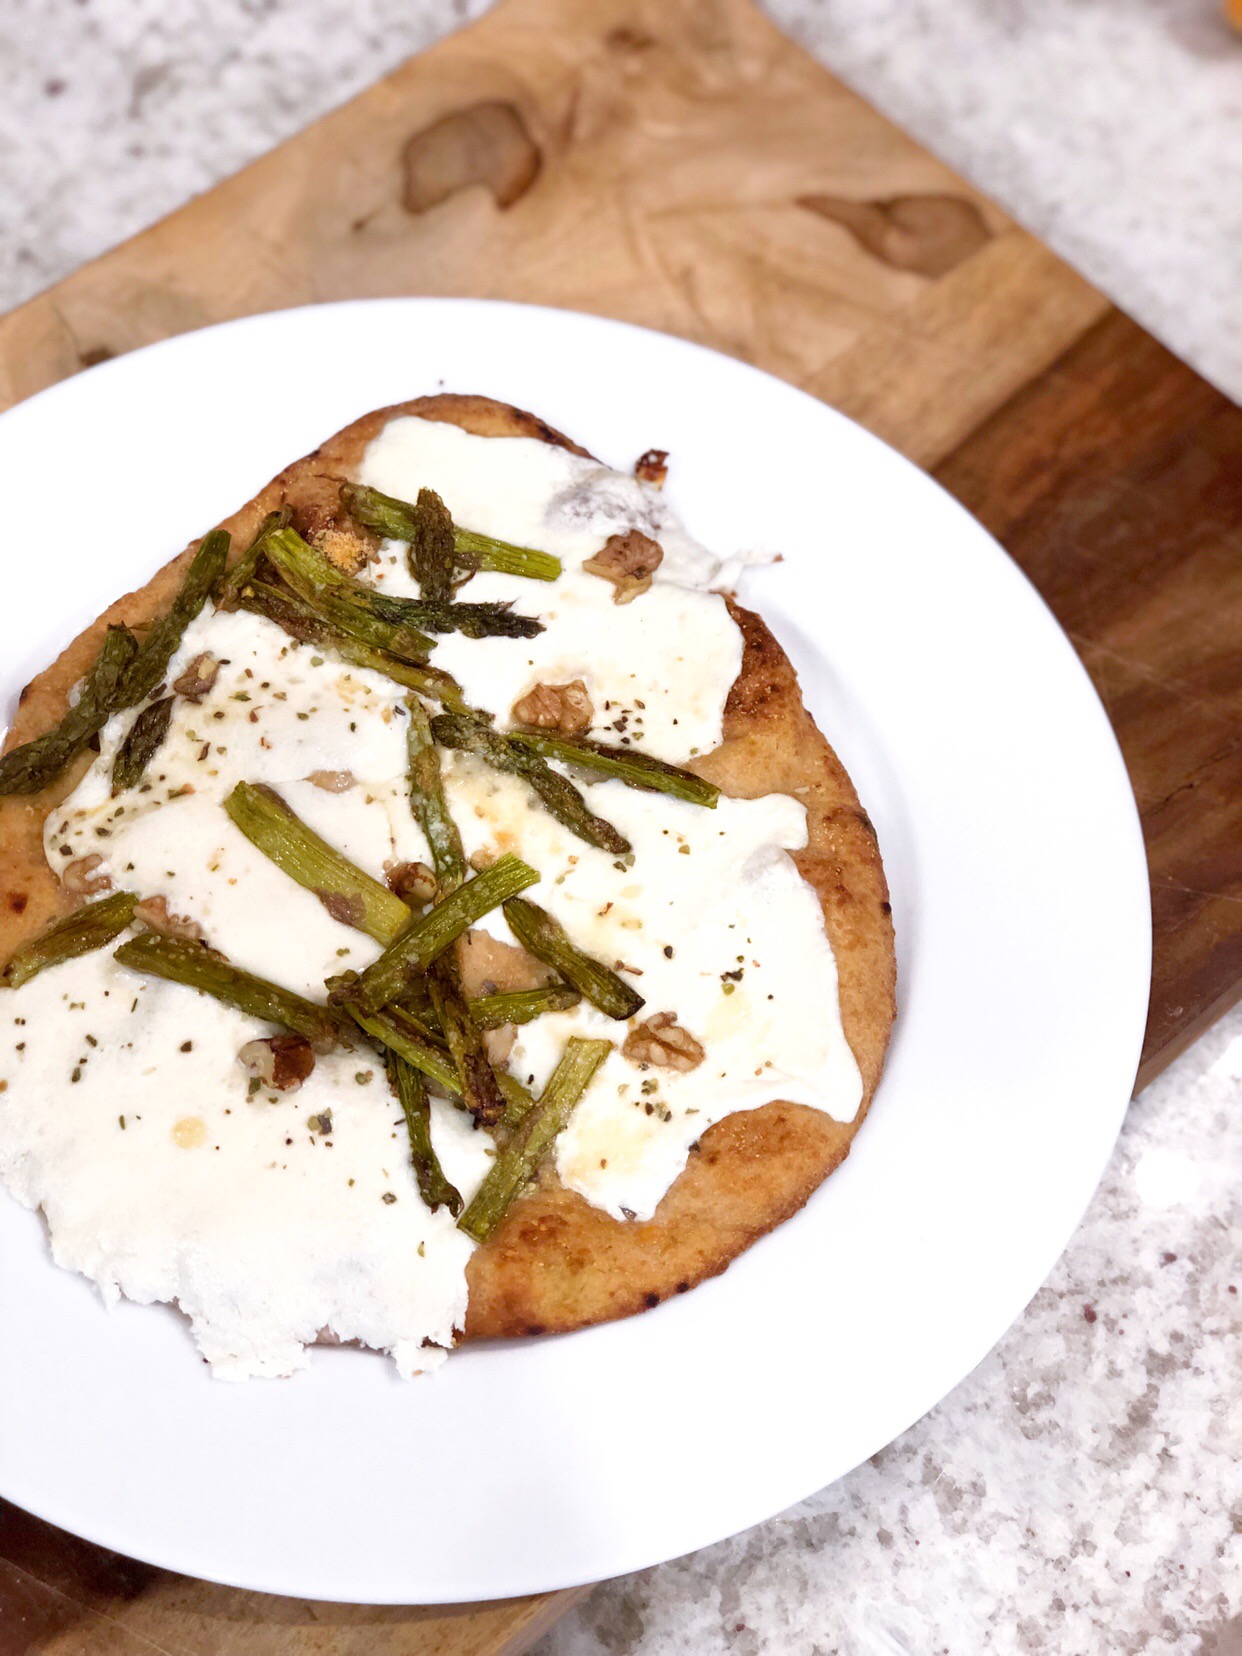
<point>1080,1494</point>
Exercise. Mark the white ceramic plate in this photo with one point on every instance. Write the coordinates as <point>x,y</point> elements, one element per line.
<point>1020,901</point>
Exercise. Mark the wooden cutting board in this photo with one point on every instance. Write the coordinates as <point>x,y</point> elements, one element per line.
<point>687,167</point>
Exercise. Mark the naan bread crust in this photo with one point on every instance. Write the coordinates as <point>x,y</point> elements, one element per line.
<point>557,1263</point>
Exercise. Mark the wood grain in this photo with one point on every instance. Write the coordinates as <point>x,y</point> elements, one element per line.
<point>687,167</point>
<point>1116,482</point>
<point>63,1597</point>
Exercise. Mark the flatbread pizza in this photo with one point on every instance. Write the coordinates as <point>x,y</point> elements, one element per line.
<point>430,912</point>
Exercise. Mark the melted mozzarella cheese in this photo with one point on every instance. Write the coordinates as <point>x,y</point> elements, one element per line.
<point>264,1231</point>
<point>658,669</point>
<point>712,923</point>
<point>161,1179</point>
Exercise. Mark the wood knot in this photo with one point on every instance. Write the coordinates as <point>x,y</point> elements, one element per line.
<point>928,234</point>
<point>485,144</point>
<point>629,41</point>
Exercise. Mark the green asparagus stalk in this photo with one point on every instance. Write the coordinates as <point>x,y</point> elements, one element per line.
<point>348,894</point>
<point>431,553</point>
<point>374,616</point>
<point>521,1006</point>
<point>427,799</point>
<point>473,734</point>
<point>383,514</point>
<point>88,929</point>
<point>394,519</point>
<point>287,610</point>
<point>476,551</point>
<point>515,1006</point>
<point>140,745</point>
<point>411,1091</point>
<point>345,605</point>
<point>389,978</point>
<point>519,1161</point>
<point>396,1030</point>
<point>235,581</point>
<point>479,1091</point>
<point>639,770</point>
<point>489,620</point>
<point>211,974</point>
<point>545,938</point>
<point>151,663</point>
<point>32,766</point>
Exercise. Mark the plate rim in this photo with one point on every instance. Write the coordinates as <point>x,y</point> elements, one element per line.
<point>124,365</point>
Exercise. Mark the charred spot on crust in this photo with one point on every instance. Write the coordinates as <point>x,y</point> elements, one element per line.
<point>683,1287</point>
<point>886,908</point>
<point>484,418</point>
<point>534,1330</point>
<point>17,901</point>
<point>766,674</point>
<point>533,426</point>
<point>22,694</point>
<point>651,1301</point>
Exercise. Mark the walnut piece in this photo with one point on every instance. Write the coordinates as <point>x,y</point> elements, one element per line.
<point>662,1040</point>
<point>499,1043</point>
<point>413,882</point>
<point>80,878</point>
<point>344,906</point>
<point>652,467</point>
<point>563,707</point>
<point>198,678</point>
<point>333,781</point>
<point>153,912</point>
<point>281,1062</point>
<point>319,517</point>
<point>628,561</point>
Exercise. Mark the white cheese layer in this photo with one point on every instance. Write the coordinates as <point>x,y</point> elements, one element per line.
<point>126,1119</point>
<point>658,669</point>
<point>712,923</point>
<point>264,1231</point>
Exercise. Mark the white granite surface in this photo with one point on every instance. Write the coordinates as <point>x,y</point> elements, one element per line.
<point>1080,1493</point>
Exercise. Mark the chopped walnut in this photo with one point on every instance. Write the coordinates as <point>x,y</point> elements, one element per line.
<point>81,879</point>
<point>198,678</point>
<point>153,912</point>
<point>413,882</point>
<point>662,1040</point>
<point>499,1043</point>
<point>628,561</point>
<point>281,1062</point>
<point>319,517</point>
<point>345,906</point>
<point>333,781</point>
<point>563,707</point>
<point>652,467</point>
